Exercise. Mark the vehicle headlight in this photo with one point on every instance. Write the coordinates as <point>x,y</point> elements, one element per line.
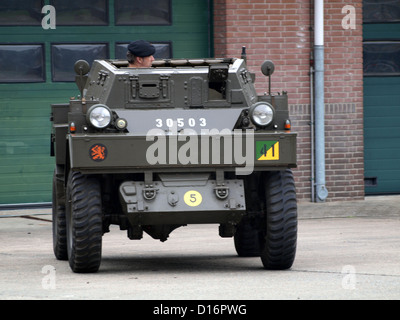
<point>99,116</point>
<point>262,114</point>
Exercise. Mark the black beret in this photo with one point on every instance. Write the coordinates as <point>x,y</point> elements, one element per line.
<point>141,48</point>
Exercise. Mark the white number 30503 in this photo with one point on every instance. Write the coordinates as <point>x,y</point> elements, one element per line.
<point>180,122</point>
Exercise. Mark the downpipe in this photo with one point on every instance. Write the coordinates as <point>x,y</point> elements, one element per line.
<point>321,191</point>
<point>312,128</point>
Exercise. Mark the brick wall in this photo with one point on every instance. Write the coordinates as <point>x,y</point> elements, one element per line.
<point>279,30</point>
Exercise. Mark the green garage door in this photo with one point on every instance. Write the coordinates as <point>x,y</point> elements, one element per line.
<point>382,97</point>
<point>382,135</point>
<point>36,68</point>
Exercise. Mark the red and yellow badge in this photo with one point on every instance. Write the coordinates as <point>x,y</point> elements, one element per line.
<point>98,152</point>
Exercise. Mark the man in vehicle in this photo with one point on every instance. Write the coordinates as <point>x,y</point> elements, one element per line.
<point>140,54</point>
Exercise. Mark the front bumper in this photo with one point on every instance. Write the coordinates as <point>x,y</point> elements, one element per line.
<point>243,151</point>
<point>183,199</point>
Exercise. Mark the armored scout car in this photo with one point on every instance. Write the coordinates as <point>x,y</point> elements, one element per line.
<point>183,142</point>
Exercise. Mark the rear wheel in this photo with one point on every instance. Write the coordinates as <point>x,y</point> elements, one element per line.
<point>246,239</point>
<point>279,234</point>
<point>247,235</point>
<point>58,221</point>
<point>84,222</point>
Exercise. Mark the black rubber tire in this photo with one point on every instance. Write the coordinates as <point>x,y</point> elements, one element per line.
<point>84,223</point>
<point>279,238</point>
<point>246,240</point>
<point>58,224</point>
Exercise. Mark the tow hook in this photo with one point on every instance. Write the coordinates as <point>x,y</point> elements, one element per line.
<point>149,192</point>
<point>221,192</point>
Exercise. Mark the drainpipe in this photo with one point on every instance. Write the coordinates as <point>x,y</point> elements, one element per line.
<point>312,126</point>
<point>321,190</point>
<point>312,180</point>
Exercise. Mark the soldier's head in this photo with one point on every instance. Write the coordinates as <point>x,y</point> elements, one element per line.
<point>140,54</point>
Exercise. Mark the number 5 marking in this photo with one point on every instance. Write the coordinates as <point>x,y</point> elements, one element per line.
<point>192,198</point>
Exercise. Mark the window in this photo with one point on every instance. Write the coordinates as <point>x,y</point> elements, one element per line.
<point>139,12</point>
<point>81,13</point>
<point>163,50</point>
<point>22,63</point>
<point>64,56</point>
<point>21,12</point>
<point>381,11</point>
<point>381,58</point>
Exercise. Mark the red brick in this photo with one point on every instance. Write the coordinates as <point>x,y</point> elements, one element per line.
<point>280,30</point>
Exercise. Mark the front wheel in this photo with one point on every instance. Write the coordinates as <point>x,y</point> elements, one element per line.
<point>279,234</point>
<point>84,222</point>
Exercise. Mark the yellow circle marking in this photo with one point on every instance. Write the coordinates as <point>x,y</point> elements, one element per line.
<point>192,198</point>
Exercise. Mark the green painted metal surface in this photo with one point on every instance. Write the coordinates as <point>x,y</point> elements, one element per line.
<point>382,121</point>
<point>26,167</point>
<point>382,133</point>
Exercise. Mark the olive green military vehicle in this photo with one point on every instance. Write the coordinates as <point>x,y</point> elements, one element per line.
<point>183,142</point>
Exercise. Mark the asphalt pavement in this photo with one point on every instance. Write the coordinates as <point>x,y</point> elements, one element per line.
<point>346,250</point>
<point>371,206</point>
